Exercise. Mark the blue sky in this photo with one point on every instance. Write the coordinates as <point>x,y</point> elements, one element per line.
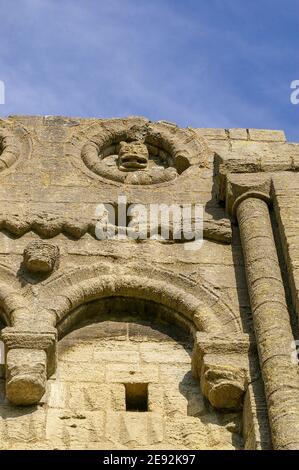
<point>200,63</point>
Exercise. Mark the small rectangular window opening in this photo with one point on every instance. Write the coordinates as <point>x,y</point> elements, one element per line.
<point>136,397</point>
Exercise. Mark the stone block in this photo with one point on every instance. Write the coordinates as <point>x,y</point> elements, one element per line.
<point>85,372</point>
<point>238,134</point>
<point>266,135</point>
<point>132,373</point>
<point>74,430</point>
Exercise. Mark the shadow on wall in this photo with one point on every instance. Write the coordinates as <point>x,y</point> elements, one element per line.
<point>96,362</point>
<point>199,407</point>
<point>156,319</point>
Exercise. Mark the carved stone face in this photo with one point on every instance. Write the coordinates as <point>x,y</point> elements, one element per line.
<point>132,156</point>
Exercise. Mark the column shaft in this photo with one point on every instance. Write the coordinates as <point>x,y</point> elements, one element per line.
<point>271,322</point>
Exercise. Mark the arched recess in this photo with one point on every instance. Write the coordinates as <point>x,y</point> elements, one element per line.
<point>188,303</point>
<point>59,302</point>
<point>192,305</point>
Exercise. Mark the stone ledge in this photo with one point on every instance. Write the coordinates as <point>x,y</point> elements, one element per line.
<point>259,135</point>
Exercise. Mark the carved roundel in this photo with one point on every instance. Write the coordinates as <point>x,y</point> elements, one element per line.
<point>9,149</point>
<point>138,152</point>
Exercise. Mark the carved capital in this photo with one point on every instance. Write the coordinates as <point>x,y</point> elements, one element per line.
<point>30,359</point>
<point>26,376</point>
<point>14,338</point>
<point>222,367</point>
<point>243,186</point>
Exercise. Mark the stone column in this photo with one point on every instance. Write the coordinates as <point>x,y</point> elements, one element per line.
<point>270,318</point>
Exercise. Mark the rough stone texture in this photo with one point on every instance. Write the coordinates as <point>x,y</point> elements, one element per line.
<point>161,150</point>
<point>271,321</point>
<point>133,156</point>
<point>286,209</point>
<point>222,366</point>
<point>141,311</point>
<point>26,376</point>
<point>84,407</point>
<point>41,257</point>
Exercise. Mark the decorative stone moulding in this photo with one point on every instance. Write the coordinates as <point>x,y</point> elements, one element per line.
<point>9,149</point>
<point>35,322</point>
<point>41,257</point>
<point>136,151</point>
<point>50,225</point>
<point>242,186</point>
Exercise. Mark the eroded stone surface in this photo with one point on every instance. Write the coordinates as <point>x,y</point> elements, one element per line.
<point>84,407</point>
<point>26,376</point>
<point>41,257</point>
<point>54,173</point>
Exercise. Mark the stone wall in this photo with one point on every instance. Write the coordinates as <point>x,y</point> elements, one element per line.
<point>186,326</point>
<point>85,404</point>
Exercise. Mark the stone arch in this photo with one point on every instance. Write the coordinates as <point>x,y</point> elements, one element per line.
<point>15,143</point>
<point>193,304</point>
<point>57,304</point>
<point>9,149</point>
<point>11,297</point>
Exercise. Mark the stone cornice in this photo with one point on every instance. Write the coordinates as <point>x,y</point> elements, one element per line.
<point>253,158</point>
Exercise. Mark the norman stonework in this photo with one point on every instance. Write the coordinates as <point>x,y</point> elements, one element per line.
<point>146,343</point>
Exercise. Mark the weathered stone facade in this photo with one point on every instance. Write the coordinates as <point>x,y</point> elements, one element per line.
<point>144,343</point>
